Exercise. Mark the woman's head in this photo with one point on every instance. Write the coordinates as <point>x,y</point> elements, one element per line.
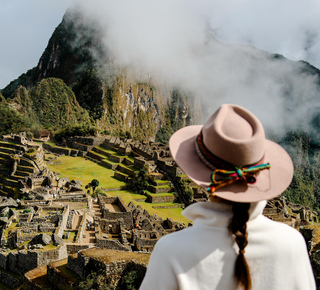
<point>230,155</point>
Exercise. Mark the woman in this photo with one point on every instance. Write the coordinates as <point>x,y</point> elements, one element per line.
<point>231,244</point>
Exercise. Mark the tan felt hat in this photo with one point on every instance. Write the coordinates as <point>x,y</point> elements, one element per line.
<point>233,141</point>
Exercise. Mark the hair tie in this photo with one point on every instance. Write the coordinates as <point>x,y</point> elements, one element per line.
<point>242,251</point>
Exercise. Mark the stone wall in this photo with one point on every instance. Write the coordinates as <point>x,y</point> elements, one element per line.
<point>110,226</point>
<point>45,257</point>
<point>108,165</point>
<point>9,280</point>
<point>4,260</point>
<point>121,176</point>
<point>77,264</point>
<point>93,141</point>
<point>70,219</point>
<point>75,248</point>
<point>143,151</point>
<point>110,244</point>
<point>81,229</point>
<point>126,216</point>
<point>145,240</point>
<point>145,245</point>
<point>63,221</point>
<point>23,261</point>
<point>158,199</point>
<point>125,170</point>
<point>57,150</point>
<point>24,238</point>
<point>27,203</point>
<point>55,278</point>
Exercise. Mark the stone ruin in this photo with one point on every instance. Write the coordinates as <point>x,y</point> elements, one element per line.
<point>295,215</point>
<point>129,228</point>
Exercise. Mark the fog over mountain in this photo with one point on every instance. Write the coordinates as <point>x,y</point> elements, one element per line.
<point>196,46</point>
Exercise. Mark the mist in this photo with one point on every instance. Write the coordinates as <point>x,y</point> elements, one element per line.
<point>221,52</point>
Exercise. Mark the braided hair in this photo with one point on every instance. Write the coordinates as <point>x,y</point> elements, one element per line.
<point>238,227</point>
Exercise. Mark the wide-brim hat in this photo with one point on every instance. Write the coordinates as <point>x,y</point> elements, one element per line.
<point>232,136</point>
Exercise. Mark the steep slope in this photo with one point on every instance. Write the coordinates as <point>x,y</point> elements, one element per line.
<point>119,104</point>
<point>51,104</point>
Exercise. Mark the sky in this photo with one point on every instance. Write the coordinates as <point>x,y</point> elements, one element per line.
<point>288,27</point>
<point>25,29</point>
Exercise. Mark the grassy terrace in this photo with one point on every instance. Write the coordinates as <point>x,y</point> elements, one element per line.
<point>85,170</point>
<point>161,181</point>
<point>160,193</point>
<point>173,213</point>
<point>53,144</point>
<point>106,150</point>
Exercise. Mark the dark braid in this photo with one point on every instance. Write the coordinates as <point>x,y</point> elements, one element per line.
<point>238,227</point>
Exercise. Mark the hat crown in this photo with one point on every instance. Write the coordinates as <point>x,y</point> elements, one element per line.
<point>235,135</point>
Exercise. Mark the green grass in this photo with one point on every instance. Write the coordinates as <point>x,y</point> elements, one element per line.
<point>49,247</point>
<point>53,144</point>
<point>109,161</point>
<point>161,181</point>
<point>131,158</point>
<point>98,154</point>
<point>85,170</point>
<point>12,227</point>
<point>160,193</point>
<point>173,213</point>
<point>71,238</point>
<point>163,186</point>
<point>106,150</point>
<point>167,204</point>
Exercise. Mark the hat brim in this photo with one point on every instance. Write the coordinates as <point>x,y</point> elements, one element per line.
<point>270,182</point>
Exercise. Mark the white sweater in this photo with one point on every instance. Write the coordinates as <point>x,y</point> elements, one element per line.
<point>203,256</point>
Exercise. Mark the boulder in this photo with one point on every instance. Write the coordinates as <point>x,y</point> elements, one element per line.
<point>3,220</point>
<point>66,235</point>
<point>74,183</point>
<point>4,211</point>
<point>40,193</point>
<point>42,239</point>
<point>57,240</point>
<point>7,202</point>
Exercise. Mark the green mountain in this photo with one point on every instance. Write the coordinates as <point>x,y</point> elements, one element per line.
<point>70,87</point>
<point>117,104</point>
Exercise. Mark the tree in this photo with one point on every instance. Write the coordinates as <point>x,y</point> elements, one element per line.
<point>93,184</point>
<point>139,181</point>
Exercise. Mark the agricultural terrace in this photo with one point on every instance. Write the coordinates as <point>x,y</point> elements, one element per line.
<point>85,170</point>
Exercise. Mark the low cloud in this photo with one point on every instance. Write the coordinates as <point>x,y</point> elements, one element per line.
<point>208,48</point>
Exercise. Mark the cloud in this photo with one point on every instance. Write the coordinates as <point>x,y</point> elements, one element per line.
<point>207,47</point>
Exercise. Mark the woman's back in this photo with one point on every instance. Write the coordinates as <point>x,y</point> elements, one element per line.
<point>203,256</point>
